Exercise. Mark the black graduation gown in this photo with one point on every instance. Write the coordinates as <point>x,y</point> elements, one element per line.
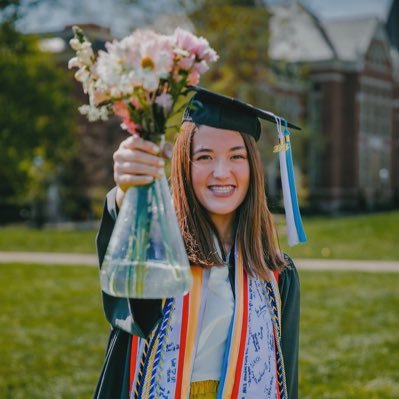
<point>114,379</point>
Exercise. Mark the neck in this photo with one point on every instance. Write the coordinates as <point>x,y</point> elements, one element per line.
<point>224,228</point>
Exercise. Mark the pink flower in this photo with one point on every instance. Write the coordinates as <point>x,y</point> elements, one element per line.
<point>130,126</point>
<point>120,109</point>
<point>185,40</point>
<point>135,102</point>
<point>186,63</point>
<point>198,46</point>
<point>193,78</point>
<point>205,52</point>
<point>201,67</point>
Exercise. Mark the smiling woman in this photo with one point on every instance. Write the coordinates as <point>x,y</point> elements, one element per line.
<point>235,334</point>
<point>220,176</point>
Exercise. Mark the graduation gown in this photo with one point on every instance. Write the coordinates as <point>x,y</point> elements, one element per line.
<point>114,378</point>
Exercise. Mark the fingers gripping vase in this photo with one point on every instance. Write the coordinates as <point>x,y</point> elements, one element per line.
<point>146,257</point>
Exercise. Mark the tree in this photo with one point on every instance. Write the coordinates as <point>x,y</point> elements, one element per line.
<point>36,115</point>
<point>238,30</point>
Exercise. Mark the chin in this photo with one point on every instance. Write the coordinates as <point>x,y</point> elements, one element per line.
<point>222,211</point>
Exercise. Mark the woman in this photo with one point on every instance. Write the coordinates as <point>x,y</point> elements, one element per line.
<point>231,336</point>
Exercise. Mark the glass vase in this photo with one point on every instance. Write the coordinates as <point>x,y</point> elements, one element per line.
<point>146,257</point>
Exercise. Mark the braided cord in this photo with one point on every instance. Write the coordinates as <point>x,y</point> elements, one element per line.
<point>143,372</point>
<point>160,348</point>
<point>153,355</point>
<point>135,392</point>
<point>273,307</point>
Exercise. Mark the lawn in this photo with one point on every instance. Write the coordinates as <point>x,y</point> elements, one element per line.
<point>373,236</point>
<point>20,238</point>
<point>349,336</point>
<point>53,334</point>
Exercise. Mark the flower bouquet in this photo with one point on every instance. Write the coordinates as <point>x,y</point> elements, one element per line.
<point>140,80</point>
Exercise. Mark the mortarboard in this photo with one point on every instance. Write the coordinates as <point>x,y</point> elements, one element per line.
<point>217,110</point>
<point>213,109</point>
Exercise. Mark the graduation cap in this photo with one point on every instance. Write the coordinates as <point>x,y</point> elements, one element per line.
<point>216,110</point>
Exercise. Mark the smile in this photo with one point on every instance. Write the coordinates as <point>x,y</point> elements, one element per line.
<point>222,190</point>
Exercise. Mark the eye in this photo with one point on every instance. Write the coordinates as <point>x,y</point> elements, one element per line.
<point>239,156</point>
<point>204,157</point>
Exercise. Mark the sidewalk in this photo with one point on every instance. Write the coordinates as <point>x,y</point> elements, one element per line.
<point>54,258</point>
<point>302,264</point>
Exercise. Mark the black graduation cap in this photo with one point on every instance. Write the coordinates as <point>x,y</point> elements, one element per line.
<point>213,109</point>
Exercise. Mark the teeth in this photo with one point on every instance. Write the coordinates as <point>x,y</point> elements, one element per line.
<point>222,189</point>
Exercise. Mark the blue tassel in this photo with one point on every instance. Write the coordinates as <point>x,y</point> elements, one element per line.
<point>291,180</point>
<point>296,233</point>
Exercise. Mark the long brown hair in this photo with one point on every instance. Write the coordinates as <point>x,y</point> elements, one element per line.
<point>255,230</point>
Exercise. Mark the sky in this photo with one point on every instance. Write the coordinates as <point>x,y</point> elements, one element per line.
<point>120,17</point>
<point>329,9</point>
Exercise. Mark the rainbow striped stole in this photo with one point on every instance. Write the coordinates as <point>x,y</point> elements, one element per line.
<point>253,366</point>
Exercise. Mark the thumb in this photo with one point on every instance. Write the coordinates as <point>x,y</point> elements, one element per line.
<point>167,150</point>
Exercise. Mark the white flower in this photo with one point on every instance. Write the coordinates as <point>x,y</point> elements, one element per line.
<point>165,101</point>
<point>103,111</point>
<point>75,44</point>
<point>82,75</point>
<point>147,79</point>
<point>86,54</point>
<point>74,63</point>
<point>149,55</point>
<point>94,114</point>
<point>109,69</point>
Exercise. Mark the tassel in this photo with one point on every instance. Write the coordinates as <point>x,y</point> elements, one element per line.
<point>295,230</point>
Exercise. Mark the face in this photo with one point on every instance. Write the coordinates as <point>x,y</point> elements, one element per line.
<point>219,171</point>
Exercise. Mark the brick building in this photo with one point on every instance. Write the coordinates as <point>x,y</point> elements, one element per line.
<point>350,105</point>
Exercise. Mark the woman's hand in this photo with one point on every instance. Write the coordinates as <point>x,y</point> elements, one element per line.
<point>136,162</point>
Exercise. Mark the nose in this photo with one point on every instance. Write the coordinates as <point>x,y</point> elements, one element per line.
<point>221,170</point>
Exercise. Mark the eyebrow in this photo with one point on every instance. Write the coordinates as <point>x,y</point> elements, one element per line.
<point>207,150</point>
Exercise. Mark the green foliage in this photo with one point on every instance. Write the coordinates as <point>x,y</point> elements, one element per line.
<point>239,33</point>
<point>36,118</point>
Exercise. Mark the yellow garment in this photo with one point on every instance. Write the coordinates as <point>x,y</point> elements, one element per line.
<point>204,389</point>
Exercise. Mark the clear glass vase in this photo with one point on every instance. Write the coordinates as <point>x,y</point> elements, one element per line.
<point>146,257</point>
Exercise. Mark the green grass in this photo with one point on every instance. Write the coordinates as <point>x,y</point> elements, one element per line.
<point>53,334</point>
<point>349,346</point>
<point>20,238</point>
<point>372,236</point>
